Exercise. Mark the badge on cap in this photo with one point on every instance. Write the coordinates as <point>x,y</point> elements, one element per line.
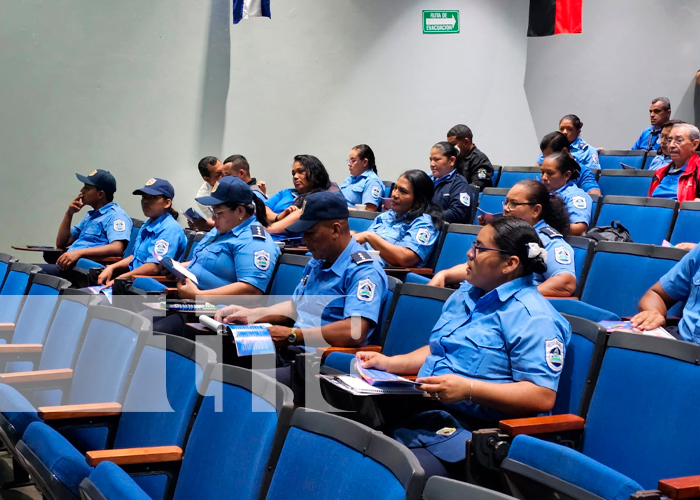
<point>365,290</point>
<point>215,186</point>
<point>465,199</point>
<point>446,431</point>
<point>161,247</point>
<point>262,260</point>
<point>562,255</point>
<point>119,225</point>
<point>554,351</point>
<point>579,202</point>
<point>150,182</point>
<point>376,192</point>
<point>92,173</point>
<point>423,236</point>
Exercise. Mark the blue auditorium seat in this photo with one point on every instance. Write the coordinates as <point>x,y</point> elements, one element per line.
<point>288,273</point>
<point>5,261</point>
<point>510,176</point>
<point>491,200</point>
<point>361,220</point>
<point>14,290</point>
<point>583,310</point>
<point>442,488</point>
<point>613,159</point>
<point>583,253</point>
<point>625,182</point>
<point>687,226</point>
<point>647,219</point>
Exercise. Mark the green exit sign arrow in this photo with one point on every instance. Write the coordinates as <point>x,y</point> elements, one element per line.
<point>440,21</point>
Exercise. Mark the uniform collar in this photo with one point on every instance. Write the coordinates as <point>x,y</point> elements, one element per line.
<point>540,224</point>
<point>565,186</point>
<point>502,293</point>
<point>341,263</point>
<point>236,231</point>
<point>445,177</point>
<point>577,144</point>
<point>101,211</point>
<point>361,176</point>
<point>154,224</point>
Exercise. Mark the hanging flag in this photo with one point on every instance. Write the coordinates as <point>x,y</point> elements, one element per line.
<point>554,17</point>
<point>244,9</point>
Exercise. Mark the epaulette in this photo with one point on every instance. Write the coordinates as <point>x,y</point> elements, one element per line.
<point>551,232</point>
<point>361,258</point>
<point>258,231</point>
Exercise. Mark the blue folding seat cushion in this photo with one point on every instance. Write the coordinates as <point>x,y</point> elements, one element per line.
<point>148,285</point>
<point>572,467</point>
<point>321,467</point>
<point>583,310</point>
<point>16,409</point>
<point>115,484</point>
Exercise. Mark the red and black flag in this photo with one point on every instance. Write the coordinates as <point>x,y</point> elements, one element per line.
<point>554,17</point>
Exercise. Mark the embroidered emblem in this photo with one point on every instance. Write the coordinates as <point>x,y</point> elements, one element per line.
<point>579,202</point>
<point>262,260</point>
<point>161,247</point>
<point>465,199</point>
<point>562,255</point>
<point>119,225</point>
<point>554,353</point>
<point>150,182</point>
<point>365,290</point>
<point>423,236</point>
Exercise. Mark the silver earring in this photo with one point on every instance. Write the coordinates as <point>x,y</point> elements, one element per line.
<point>240,218</point>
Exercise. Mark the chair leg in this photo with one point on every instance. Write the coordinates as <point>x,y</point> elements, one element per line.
<point>20,476</point>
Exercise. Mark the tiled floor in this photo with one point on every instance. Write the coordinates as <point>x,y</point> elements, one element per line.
<point>25,493</point>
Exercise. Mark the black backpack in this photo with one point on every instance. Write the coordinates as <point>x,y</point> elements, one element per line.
<point>615,232</point>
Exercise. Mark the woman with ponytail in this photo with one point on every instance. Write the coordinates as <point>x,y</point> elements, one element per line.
<point>559,171</point>
<point>496,352</point>
<point>363,187</point>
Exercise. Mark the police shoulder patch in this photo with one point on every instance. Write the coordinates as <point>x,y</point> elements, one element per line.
<point>161,247</point>
<point>376,192</point>
<point>465,199</point>
<point>554,353</point>
<point>119,225</point>
<point>562,255</point>
<point>481,173</point>
<point>258,231</point>
<point>261,260</point>
<point>423,236</point>
<point>361,258</point>
<point>579,202</point>
<point>365,290</point>
<point>551,232</point>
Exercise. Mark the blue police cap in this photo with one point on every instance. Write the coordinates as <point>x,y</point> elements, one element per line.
<point>157,187</point>
<point>101,179</point>
<point>228,190</point>
<point>324,205</point>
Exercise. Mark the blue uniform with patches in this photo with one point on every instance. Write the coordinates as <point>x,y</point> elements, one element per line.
<point>650,139</point>
<point>162,236</point>
<point>419,235</point>
<point>585,154</point>
<point>560,255</point>
<point>585,180</point>
<point>358,281</point>
<point>363,189</point>
<point>101,227</point>
<point>282,200</point>
<point>682,283</point>
<point>455,197</point>
<point>577,202</point>
<point>246,253</point>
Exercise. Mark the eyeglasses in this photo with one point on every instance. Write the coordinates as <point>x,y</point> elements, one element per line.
<point>679,139</point>
<point>216,215</point>
<point>352,161</point>
<point>476,249</point>
<point>514,204</point>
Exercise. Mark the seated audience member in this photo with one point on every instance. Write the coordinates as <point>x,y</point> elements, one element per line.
<point>471,163</point>
<point>406,234</point>
<point>585,154</point>
<point>680,284</point>
<point>211,170</point>
<point>238,166</point>
<point>453,194</point>
<point>662,157</point>
<point>556,142</point>
<point>308,176</point>
<point>659,114</point>
<point>363,187</point>
<point>530,201</point>
<point>679,179</point>
<point>559,173</point>
<point>160,235</point>
<point>339,268</point>
<point>103,232</point>
<point>496,352</point>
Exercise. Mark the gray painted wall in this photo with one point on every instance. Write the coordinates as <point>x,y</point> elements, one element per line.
<point>146,88</point>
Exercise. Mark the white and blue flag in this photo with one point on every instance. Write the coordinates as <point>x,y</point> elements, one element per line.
<point>245,9</point>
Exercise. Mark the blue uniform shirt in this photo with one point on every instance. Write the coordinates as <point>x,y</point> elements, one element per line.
<point>510,334</point>
<point>282,200</point>
<point>650,136</point>
<point>585,154</point>
<point>585,180</point>
<point>162,236</point>
<point>419,235</point>
<point>560,255</point>
<point>355,278</point>
<point>658,161</point>
<point>246,253</point>
<point>668,187</point>
<point>363,189</point>
<point>577,202</point>
<point>682,283</point>
<point>101,227</point>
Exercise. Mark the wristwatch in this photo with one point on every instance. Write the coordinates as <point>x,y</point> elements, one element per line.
<point>292,339</point>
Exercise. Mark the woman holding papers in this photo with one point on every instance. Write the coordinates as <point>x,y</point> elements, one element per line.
<point>497,351</point>
<point>406,234</point>
<point>160,235</point>
<point>559,171</point>
<point>530,201</point>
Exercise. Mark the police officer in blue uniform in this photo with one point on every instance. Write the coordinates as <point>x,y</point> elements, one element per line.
<point>103,232</point>
<point>363,187</point>
<point>497,350</point>
<point>680,284</point>
<point>659,114</point>
<point>340,298</point>
<point>160,235</point>
<point>559,171</point>
<point>556,142</point>
<point>406,234</point>
<point>453,194</point>
<point>585,154</point>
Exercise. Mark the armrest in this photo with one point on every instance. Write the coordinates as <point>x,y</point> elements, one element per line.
<point>37,376</point>
<point>7,327</point>
<point>129,456</point>
<point>541,425</point>
<point>20,348</point>
<point>157,277</point>
<point>79,411</point>
<point>36,249</point>
<point>422,271</point>
<point>680,487</point>
<point>325,351</point>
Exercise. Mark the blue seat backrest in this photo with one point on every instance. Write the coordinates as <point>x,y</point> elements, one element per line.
<point>572,380</point>
<point>580,255</point>
<point>613,161</point>
<point>412,322</point>
<point>3,272</point>
<point>135,228</point>
<point>12,296</point>
<point>358,224</point>
<point>510,178</point>
<point>646,224</point>
<point>454,250</point>
<point>629,185</point>
<point>228,448</point>
<point>64,336</point>
<point>642,407</point>
<point>490,203</point>
<point>286,278</point>
<point>687,227</point>
<point>583,310</point>
<point>147,284</point>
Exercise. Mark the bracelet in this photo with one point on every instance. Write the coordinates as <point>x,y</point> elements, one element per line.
<point>471,390</point>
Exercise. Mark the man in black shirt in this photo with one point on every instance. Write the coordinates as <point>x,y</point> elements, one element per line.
<point>471,163</point>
